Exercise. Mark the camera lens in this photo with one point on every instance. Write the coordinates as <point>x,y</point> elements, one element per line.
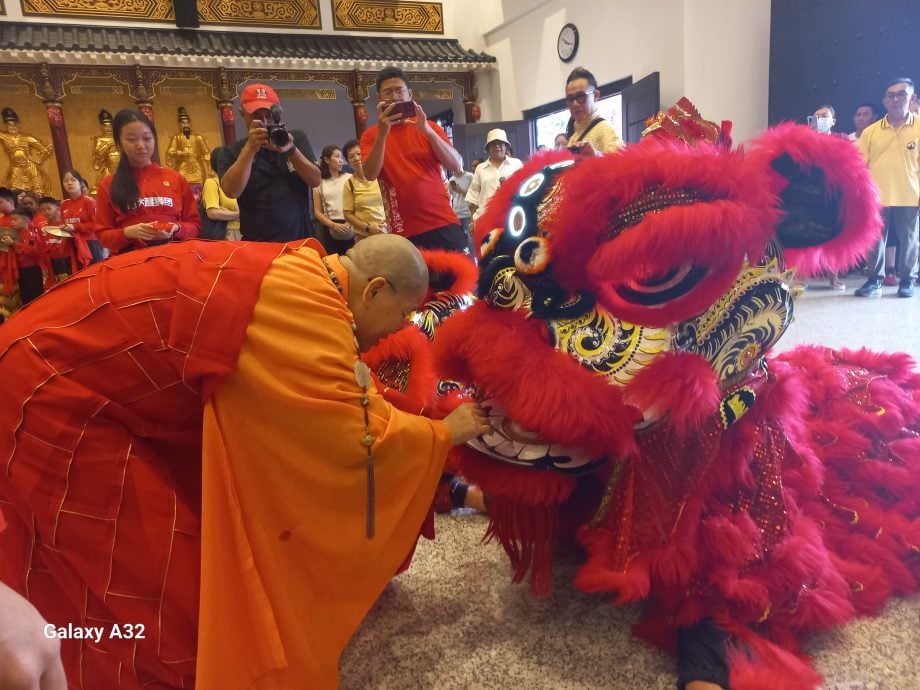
<point>278,136</point>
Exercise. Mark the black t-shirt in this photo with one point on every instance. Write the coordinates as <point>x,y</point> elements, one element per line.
<point>275,205</point>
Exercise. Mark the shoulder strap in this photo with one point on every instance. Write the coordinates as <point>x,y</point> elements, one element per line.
<point>595,121</point>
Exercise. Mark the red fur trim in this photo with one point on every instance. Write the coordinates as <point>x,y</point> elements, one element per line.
<point>845,173</point>
<point>523,512</point>
<point>547,392</point>
<point>677,384</point>
<point>756,663</point>
<point>409,345</point>
<point>733,220</point>
<point>460,266</point>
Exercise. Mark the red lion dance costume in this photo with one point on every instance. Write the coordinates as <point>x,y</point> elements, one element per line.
<point>638,295</point>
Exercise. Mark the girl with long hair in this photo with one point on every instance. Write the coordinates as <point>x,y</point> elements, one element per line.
<point>142,204</point>
<point>334,233</point>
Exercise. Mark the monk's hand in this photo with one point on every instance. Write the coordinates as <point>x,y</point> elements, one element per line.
<point>467,422</point>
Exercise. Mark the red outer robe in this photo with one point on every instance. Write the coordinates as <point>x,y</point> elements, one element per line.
<point>105,386</point>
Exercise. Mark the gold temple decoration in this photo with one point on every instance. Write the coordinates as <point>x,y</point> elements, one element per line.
<point>149,10</point>
<point>300,14</point>
<point>105,153</point>
<point>189,153</point>
<point>433,94</point>
<point>306,94</point>
<point>25,155</point>
<point>388,16</point>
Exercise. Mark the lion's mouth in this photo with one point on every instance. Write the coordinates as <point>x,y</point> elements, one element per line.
<point>510,442</point>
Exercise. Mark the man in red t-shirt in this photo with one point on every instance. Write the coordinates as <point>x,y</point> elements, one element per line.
<point>407,152</point>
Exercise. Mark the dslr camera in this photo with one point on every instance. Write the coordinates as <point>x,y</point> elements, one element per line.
<point>277,132</point>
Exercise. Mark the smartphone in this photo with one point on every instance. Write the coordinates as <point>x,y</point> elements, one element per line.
<point>404,109</point>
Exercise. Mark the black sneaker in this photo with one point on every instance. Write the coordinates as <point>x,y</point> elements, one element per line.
<point>871,288</point>
<point>906,288</point>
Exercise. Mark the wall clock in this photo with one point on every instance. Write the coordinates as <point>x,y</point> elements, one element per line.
<point>567,43</point>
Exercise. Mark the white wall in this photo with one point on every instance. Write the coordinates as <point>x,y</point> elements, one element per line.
<point>716,52</point>
<point>727,71</point>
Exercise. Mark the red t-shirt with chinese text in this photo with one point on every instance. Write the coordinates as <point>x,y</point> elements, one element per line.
<point>164,196</point>
<point>410,180</point>
<point>80,213</point>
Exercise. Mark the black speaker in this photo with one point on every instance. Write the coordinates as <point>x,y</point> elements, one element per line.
<point>186,12</point>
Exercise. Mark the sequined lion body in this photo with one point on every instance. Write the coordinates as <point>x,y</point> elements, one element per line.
<point>627,307</point>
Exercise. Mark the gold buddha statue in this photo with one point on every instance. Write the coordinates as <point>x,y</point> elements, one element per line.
<point>189,153</point>
<point>105,150</point>
<point>25,154</point>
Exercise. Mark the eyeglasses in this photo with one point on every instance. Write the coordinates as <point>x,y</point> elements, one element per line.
<point>579,97</point>
<point>407,315</point>
<point>393,93</point>
<point>896,96</point>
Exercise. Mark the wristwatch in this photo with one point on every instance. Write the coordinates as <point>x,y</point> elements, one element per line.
<point>290,152</point>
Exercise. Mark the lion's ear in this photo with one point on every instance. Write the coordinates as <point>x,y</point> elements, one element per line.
<point>810,211</point>
<point>830,212</point>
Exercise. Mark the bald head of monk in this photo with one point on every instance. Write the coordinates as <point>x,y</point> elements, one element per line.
<point>388,280</point>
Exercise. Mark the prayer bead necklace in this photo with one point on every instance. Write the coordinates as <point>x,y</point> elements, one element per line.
<point>364,380</point>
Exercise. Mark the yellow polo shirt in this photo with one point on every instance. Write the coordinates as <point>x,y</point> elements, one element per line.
<point>893,157</point>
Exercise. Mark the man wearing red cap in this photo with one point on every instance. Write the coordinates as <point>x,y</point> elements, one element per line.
<point>271,181</point>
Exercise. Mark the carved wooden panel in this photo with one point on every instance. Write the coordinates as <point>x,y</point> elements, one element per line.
<point>148,10</point>
<point>235,78</point>
<point>432,94</point>
<point>300,14</point>
<point>387,15</point>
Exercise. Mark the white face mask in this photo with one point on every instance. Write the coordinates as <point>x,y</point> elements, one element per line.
<point>824,124</point>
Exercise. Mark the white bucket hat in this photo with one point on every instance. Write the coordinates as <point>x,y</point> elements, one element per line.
<point>496,135</point>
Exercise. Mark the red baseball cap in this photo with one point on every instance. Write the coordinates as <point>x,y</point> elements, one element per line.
<point>258,96</point>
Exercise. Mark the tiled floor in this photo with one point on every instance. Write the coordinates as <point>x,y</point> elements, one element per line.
<point>455,620</point>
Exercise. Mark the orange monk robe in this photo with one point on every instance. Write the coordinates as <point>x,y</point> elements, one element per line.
<point>105,381</point>
<point>287,569</point>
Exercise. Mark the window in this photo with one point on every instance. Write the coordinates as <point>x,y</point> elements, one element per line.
<point>548,126</point>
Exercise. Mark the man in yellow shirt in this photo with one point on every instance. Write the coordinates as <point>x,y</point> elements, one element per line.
<point>891,148</point>
<point>592,134</point>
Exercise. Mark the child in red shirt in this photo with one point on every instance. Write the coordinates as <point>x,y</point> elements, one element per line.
<point>61,250</point>
<point>9,273</point>
<point>31,256</point>
<point>142,204</point>
<point>78,211</point>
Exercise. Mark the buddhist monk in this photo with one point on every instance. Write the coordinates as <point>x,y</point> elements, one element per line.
<point>201,484</point>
